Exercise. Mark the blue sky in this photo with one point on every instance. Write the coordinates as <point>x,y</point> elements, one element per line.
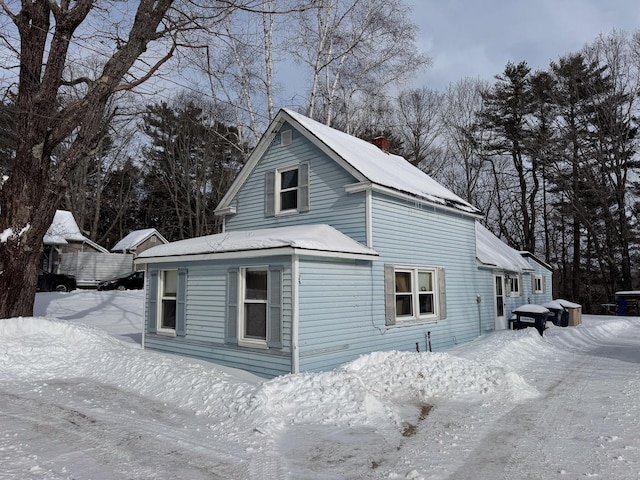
<point>476,38</point>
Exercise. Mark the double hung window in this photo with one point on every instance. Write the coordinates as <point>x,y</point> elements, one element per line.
<point>167,301</point>
<point>514,285</point>
<point>287,190</point>
<point>538,284</point>
<point>167,304</point>
<point>253,326</point>
<point>414,293</point>
<point>254,307</point>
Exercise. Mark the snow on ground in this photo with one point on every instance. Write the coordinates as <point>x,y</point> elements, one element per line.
<point>80,399</point>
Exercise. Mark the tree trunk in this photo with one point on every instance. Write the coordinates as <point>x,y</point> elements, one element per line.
<point>20,254</point>
<point>29,198</point>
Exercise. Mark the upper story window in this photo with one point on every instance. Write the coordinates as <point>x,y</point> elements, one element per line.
<point>414,293</point>
<point>287,190</point>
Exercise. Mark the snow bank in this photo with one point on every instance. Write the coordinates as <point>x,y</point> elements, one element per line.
<point>369,391</point>
<point>373,390</point>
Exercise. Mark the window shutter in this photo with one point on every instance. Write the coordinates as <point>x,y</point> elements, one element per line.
<point>303,187</point>
<point>389,295</point>
<point>507,286</point>
<point>274,322</point>
<point>152,312</point>
<point>181,303</point>
<point>442,294</point>
<point>533,283</point>
<point>231,326</point>
<point>269,194</point>
<point>544,284</point>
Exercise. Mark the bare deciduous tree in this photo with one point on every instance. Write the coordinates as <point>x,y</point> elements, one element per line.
<point>354,48</point>
<point>49,37</point>
<point>465,172</point>
<point>420,125</point>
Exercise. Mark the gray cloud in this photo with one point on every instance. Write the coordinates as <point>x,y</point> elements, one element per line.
<point>468,38</point>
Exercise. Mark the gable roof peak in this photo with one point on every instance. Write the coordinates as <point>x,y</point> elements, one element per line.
<point>377,166</point>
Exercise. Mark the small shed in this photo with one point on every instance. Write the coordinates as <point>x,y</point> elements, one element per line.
<point>63,238</point>
<point>138,241</point>
<point>65,233</point>
<point>574,310</point>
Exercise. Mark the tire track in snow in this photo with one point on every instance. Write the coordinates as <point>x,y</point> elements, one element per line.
<point>521,446</point>
<point>159,443</point>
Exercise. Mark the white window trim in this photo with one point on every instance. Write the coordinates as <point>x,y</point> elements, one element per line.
<point>159,328</point>
<point>278,190</point>
<point>242,341</point>
<point>536,279</point>
<point>512,292</point>
<point>415,295</point>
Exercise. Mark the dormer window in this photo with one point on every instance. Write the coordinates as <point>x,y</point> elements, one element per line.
<point>287,190</point>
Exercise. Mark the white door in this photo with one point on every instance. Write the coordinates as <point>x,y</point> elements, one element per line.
<point>501,321</point>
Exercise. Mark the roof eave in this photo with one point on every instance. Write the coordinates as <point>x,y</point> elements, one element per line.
<point>408,196</point>
<point>256,253</point>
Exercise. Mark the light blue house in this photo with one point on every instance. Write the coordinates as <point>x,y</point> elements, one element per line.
<point>509,278</point>
<point>332,248</point>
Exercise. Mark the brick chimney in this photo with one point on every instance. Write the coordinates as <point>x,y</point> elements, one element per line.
<point>382,142</point>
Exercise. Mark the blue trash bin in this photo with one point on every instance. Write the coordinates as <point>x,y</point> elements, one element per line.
<point>621,306</point>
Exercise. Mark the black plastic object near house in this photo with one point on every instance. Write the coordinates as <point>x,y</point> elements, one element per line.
<point>531,316</point>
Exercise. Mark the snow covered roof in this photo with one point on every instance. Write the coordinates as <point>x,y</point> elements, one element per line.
<point>530,255</point>
<point>363,159</point>
<point>135,238</point>
<point>310,238</point>
<point>492,251</point>
<point>64,229</point>
<point>380,167</point>
<point>567,303</point>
